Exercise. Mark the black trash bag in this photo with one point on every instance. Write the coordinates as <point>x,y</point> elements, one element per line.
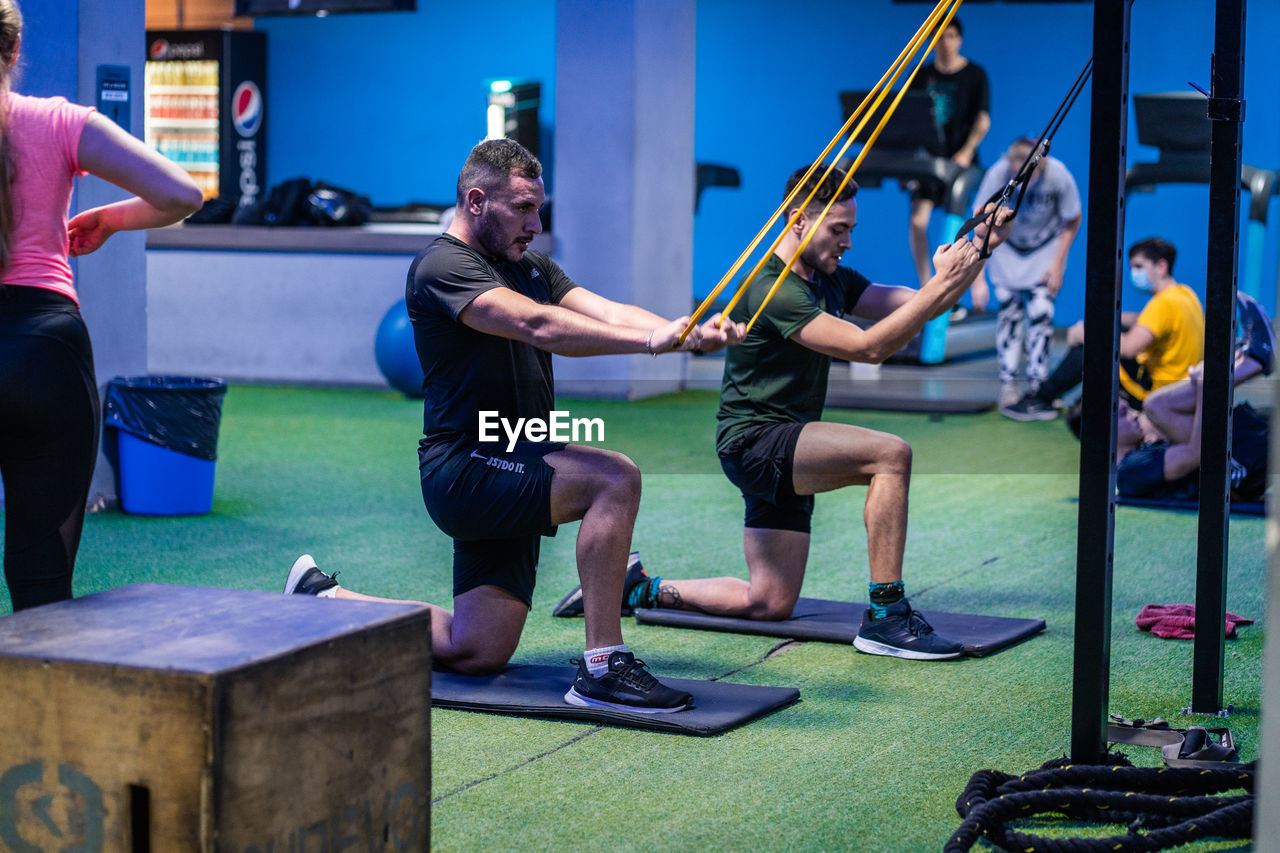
<point>179,413</point>
<point>284,204</point>
<point>330,205</point>
<point>216,211</point>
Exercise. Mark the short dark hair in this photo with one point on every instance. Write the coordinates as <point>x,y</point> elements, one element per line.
<point>491,163</point>
<point>825,192</point>
<point>1155,249</point>
<point>955,22</point>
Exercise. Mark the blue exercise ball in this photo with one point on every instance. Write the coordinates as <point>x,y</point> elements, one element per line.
<point>395,352</point>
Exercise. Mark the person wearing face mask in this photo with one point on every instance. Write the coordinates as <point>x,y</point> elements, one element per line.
<point>1158,448</point>
<point>1157,347</point>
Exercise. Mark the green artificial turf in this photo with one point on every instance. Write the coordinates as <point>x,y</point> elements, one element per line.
<point>873,756</point>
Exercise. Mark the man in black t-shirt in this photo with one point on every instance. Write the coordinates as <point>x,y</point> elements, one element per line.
<point>962,114</point>
<point>487,314</point>
<point>774,446</point>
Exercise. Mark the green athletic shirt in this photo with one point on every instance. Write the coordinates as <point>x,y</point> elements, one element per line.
<point>769,378</point>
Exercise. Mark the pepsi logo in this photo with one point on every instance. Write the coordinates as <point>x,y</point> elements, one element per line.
<point>162,49</point>
<point>246,108</point>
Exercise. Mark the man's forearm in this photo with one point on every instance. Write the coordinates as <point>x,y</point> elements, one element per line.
<point>933,300</point>
<point>977,133</point>
<point>1069,232</point>
<point>633,315</point>
<point>568,333</point>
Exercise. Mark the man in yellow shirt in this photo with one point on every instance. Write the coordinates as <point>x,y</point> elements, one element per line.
<point>1156,348</point>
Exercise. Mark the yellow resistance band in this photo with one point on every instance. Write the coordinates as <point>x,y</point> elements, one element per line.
<point>875,134</point>
<point>943,11</point>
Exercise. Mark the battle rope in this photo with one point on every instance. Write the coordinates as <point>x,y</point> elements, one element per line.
<point>932,28</point>
<point>1163,807</point>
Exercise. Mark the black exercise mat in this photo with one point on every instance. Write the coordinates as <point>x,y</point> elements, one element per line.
<point>538,691</point>
<point>838,621</point>
<point>1237,507</point>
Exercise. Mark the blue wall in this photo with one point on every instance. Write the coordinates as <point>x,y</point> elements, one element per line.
<point>389,104</point>
<point>767,104</point>
<point>49,34</point>
<point>400,99</point>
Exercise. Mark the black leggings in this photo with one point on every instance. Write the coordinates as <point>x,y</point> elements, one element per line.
<point>49,424</point>
<point>1070,372</point>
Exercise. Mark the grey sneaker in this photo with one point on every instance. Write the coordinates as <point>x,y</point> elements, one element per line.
<point>1010,393</point>
<point>1257,338</point>
<point>306,579</point>
<point>1029,408</point>
<point>626,686</point>
<point>903,633</point>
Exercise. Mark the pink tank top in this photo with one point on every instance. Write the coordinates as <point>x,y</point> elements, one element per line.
<point>43,136</point>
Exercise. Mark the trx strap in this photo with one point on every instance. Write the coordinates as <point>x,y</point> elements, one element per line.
<point>1022,178</point>
<point>1193,747</point>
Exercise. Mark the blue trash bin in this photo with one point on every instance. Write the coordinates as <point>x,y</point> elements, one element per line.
<point>166,431</point>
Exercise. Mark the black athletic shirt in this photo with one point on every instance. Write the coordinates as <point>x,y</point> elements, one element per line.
<point>957,100</point>
<point>467,371</point>
<point>770,377</point>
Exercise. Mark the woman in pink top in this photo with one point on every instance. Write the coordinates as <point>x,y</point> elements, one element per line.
<point>49,406</point>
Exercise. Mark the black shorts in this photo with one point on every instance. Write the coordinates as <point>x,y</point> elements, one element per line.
<point>761,463</point>
<point>496,505</point>
<point>926,189</point>
<point>1137,374</point>
<point>1250,441</point>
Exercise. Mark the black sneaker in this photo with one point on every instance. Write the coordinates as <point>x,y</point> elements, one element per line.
<point>1257,338</point>
<point>627,686</point>
<point>571,604</point>
<point>306,579</point>
<point>1029,408</point>
<point>903,633</point>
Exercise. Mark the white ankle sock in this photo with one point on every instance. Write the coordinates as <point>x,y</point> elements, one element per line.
<point>598,659</point>
<point>331,592</point>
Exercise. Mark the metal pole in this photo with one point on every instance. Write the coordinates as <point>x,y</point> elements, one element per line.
<point>1103,264</point>
<point>1226,111</point>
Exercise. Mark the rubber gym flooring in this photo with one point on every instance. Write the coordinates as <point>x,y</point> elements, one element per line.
<point>875,753</point>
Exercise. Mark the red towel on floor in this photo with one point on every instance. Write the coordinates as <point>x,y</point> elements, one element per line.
<point>1178,621</point>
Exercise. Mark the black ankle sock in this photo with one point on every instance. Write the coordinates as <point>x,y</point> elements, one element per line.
<point>883,595</point>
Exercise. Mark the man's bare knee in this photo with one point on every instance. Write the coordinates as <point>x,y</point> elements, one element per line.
<point>485,662</point>
<point>770,610</point>
<point>897,458</point>
<point>622,480</point>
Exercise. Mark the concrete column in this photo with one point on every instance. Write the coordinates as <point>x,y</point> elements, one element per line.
<point>64,42</point>
<point>624,190</point>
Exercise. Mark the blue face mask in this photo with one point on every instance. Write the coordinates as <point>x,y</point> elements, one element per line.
<point>1140,278</point>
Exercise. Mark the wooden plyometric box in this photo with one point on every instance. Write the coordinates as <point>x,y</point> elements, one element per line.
<point>166,718</point>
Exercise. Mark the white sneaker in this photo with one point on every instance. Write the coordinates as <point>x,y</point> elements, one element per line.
<point>1010,393</point>
<point>306,579</point>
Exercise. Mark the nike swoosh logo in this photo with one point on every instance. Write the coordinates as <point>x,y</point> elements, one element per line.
<point>475,455</point>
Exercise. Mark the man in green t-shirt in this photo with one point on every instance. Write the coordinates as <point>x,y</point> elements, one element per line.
<point>773,446</point>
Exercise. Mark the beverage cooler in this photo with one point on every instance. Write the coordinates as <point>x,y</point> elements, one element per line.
<point>205,105</point>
